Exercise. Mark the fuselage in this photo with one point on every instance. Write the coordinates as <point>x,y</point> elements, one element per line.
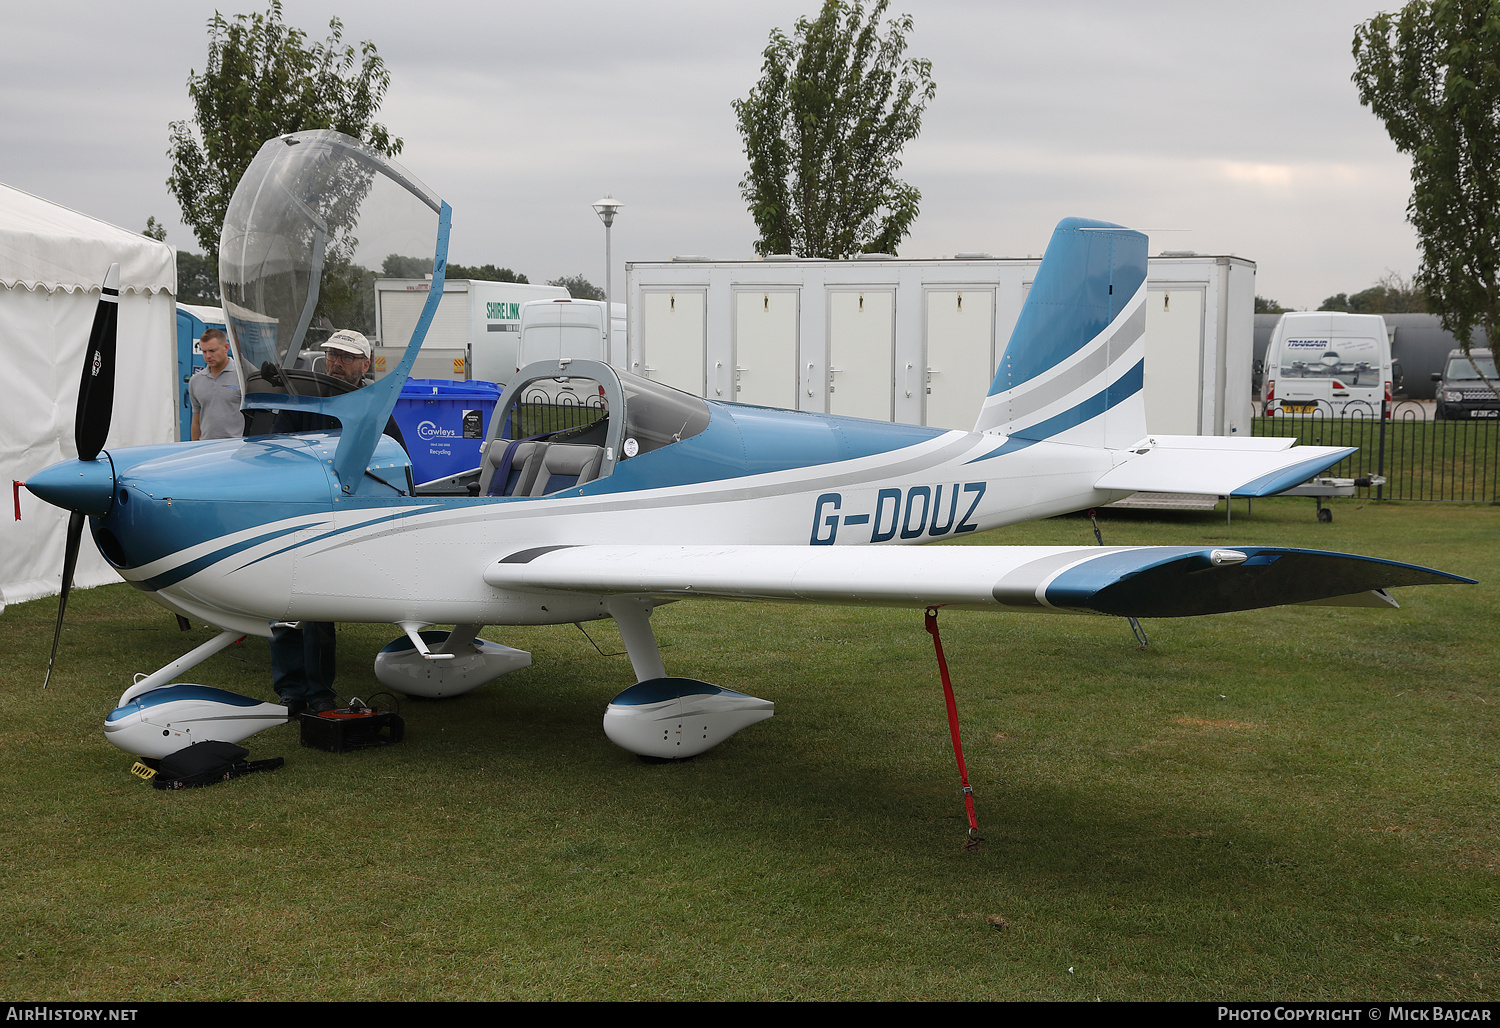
<point>242,533</point>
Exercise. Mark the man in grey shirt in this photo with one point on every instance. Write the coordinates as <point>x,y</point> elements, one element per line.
<point>215,391</point>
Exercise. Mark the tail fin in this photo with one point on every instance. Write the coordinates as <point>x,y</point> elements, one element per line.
<point>1073,369</point>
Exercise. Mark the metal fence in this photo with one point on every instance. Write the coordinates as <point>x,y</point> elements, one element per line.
<point>544,408</point>
<point>1420,459</point>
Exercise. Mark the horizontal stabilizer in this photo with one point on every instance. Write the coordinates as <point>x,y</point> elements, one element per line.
<point>1136,581</point>
<point>1220,466</point>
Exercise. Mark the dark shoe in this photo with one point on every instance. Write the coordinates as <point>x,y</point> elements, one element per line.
<point>294,708</point>
<point>322,705</point>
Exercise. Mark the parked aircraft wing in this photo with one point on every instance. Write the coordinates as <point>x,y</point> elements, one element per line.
<point>1220,466</point>
<point>1138,581</point>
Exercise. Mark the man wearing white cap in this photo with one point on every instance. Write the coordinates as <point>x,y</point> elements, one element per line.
<point>302,659</point>
<point>348,355</point>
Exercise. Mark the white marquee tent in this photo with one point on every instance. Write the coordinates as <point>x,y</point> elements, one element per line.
<point>52,262</point>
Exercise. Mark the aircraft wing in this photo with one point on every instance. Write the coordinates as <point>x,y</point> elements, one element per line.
<point>1138,581</point>
<point>1221,466</point>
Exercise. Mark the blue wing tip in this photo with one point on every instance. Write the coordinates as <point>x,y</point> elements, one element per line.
<point>1288,478</point>
<point>1184,581</point>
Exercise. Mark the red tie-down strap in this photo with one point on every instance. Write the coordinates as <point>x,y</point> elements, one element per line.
<point>973,840</point>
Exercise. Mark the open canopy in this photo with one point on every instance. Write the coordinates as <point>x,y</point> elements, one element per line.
<point>314,221</point>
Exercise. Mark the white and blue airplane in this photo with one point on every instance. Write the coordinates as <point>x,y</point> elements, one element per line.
<point>653,496</point>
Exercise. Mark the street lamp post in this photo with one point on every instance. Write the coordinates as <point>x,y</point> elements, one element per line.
<point>606,209</point>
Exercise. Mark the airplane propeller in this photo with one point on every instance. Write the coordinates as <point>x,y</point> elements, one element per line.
<point>61,484</point>
<point>96,386</point>
<point>70,560</point>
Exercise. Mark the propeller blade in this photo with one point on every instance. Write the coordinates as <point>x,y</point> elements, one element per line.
<point>70,561</point>
<point>96,387</point>
<point>96,401</point>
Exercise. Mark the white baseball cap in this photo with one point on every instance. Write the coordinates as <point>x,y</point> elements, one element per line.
<point>348,341</point>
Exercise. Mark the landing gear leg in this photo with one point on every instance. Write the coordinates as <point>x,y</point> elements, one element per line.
<point>634,618</point>
<point>190,659</point>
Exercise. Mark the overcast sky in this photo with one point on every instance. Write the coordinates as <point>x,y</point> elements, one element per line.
<point>1220,128</point>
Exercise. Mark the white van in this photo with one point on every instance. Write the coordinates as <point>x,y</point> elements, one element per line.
<point>564,329</point>
<point>552,329</point>
<point>1329,363</point>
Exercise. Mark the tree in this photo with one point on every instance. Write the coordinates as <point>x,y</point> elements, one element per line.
<point>397,266</point>
<point>1264,305</point>
<point>1391,295</point>
<point>262,80</point>
<point>484,273</point>
<point>197,279</point>
<point>1431,73</point>
<point>578,287</point>
<point>824,129</point>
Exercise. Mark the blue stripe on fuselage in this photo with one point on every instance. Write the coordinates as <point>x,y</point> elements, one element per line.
<point>1126,385</point>
<point>1120,389</point>
<point>192,567</point>
<point>1011,445</point>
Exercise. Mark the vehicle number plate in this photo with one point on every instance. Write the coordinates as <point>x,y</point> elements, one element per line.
<point>1299,408</point>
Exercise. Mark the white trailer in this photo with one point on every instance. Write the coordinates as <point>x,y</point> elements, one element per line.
<point>473,334</point>
<point>918,341</point>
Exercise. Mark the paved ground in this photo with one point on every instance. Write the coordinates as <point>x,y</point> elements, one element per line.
<point>1417,410</point>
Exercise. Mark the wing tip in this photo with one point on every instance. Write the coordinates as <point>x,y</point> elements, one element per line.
<point>1190,582</point>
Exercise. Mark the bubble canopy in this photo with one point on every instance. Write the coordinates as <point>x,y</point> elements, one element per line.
<point>316,218</point>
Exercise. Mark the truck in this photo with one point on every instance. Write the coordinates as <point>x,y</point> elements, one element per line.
<point>474,333</point>
<point>1329,363</point>
<point>918,340</point>
<point>1467,386</point>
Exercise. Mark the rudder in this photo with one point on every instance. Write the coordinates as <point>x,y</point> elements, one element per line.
<point>1073,369</point>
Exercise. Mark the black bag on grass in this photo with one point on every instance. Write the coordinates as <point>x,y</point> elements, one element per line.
<point>207,763</point>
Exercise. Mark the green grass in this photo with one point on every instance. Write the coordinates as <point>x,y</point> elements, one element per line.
<point>1292,803</point>
<point>1423,460</point>
<point>535,418</point>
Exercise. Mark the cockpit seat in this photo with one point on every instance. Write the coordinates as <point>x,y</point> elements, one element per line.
<point>535,467</point>
<point>508,460</point>
<point>562,466</point>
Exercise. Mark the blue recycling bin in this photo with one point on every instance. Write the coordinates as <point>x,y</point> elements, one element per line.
<point>444,423</point>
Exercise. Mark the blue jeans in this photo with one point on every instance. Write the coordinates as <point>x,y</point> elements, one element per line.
<point>302,661</point>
